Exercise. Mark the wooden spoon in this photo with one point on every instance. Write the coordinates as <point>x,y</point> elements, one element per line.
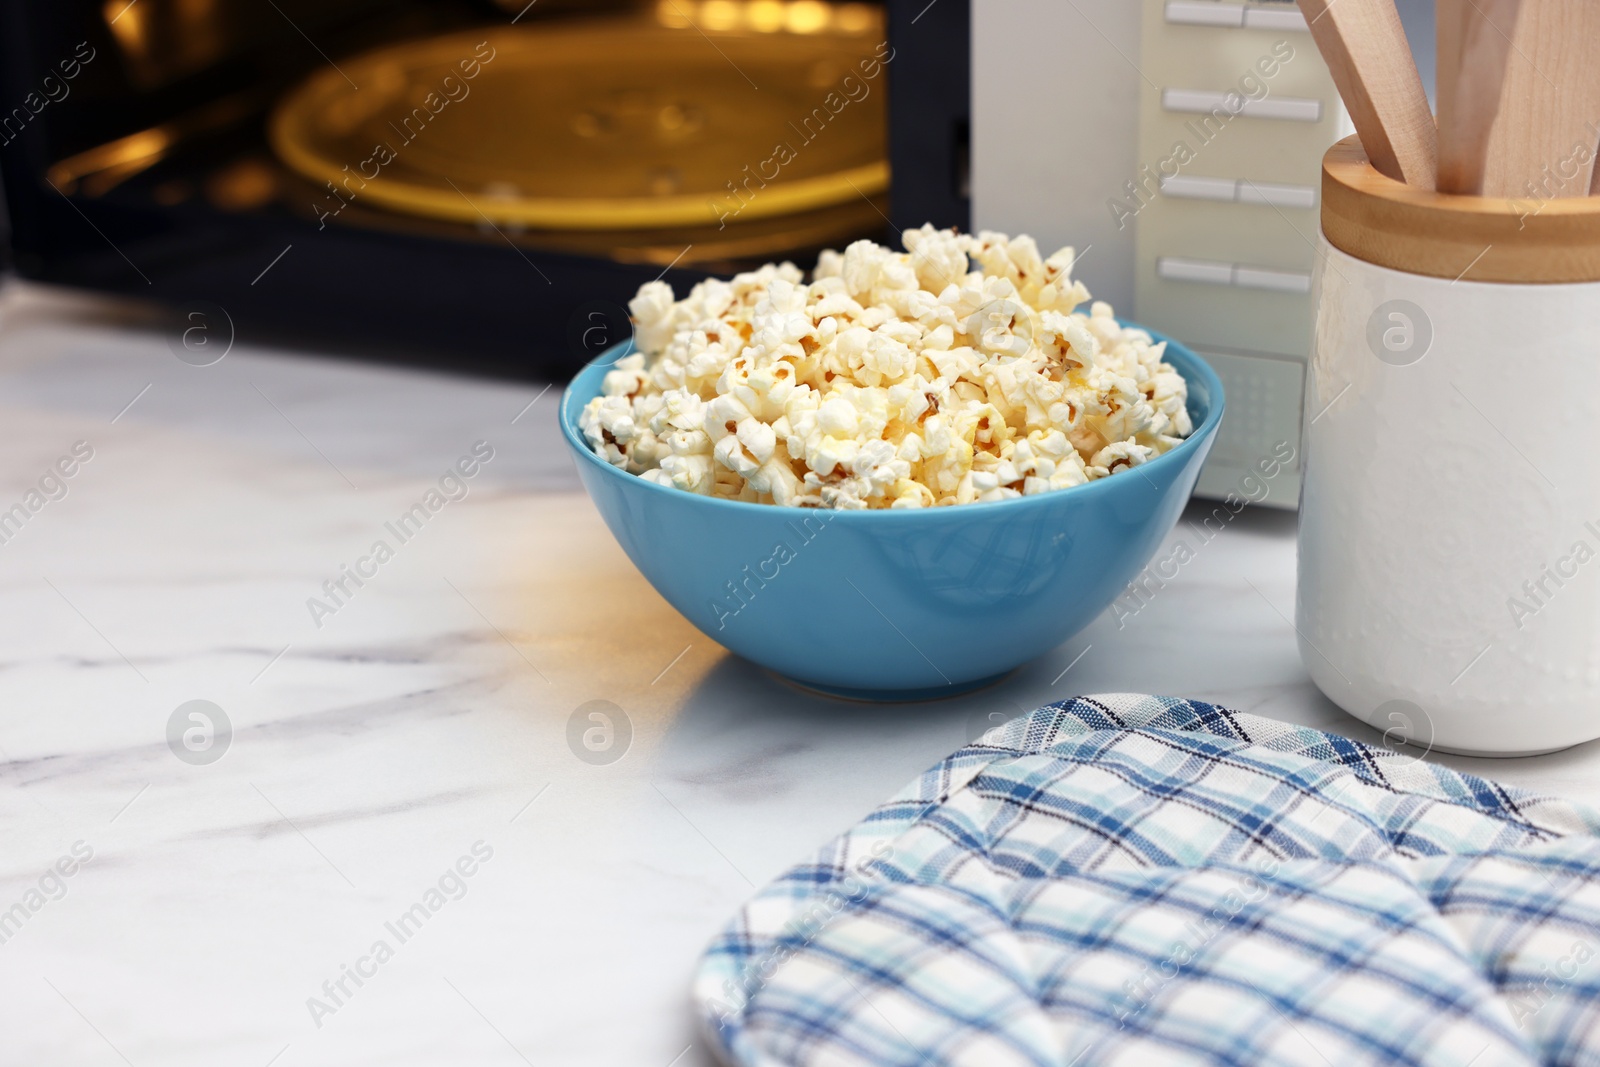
<point>1365,48</point>
<point>1543,142</point>
<point>1474,46</point>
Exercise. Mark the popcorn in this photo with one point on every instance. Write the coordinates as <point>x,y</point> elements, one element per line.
<point>889,381</point>
<point>1119,454</point>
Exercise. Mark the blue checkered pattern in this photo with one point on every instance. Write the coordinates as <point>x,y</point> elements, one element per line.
<point>1144,880</point>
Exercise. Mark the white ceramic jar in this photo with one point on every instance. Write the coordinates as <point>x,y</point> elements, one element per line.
<point>1449,580</point>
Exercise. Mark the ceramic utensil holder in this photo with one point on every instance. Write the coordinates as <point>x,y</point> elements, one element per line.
<point>1449,582</point>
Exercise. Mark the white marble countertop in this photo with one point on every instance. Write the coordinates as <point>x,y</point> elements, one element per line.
<point>426,716</point>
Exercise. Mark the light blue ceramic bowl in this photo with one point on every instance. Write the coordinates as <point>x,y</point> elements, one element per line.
<point>897,605</point>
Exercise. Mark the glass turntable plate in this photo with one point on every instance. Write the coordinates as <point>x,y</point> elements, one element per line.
<point>598,125</point>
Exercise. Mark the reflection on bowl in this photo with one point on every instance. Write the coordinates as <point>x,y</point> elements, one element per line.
<point>896,605</point>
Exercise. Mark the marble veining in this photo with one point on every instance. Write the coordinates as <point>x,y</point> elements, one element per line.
<point>427,720</point>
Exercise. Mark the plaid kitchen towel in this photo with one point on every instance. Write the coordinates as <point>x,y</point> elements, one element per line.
<point>1145,880</point>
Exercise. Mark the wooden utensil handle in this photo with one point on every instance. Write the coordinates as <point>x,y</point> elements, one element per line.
<point>1543,143</point>
<point>1474,45</point>
<point>1365,48</point>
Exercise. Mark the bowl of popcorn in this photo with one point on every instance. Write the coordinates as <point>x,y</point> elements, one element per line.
<point>901,479</point>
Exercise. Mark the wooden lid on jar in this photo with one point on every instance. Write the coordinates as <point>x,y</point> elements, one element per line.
<point>1471,238</point>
